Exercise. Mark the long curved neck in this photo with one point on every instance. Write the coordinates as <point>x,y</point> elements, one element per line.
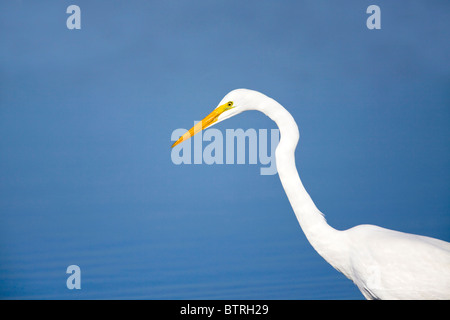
<point>324,239</point>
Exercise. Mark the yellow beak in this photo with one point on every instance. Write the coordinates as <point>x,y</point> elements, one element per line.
<point>205,123</point>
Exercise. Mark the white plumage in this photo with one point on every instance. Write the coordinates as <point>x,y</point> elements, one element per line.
<point>383,263</point>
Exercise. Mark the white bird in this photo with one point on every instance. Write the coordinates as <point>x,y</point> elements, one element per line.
<point>383,263</point>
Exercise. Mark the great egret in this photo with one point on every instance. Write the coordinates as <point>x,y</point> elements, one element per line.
<point>383,263</point>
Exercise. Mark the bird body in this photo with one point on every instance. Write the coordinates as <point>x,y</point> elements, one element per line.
<point>384,264</point>
<point>388,264</point>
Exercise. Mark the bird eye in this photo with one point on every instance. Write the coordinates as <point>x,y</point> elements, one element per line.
<point>230,104</point>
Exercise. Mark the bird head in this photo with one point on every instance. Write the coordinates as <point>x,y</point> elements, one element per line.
<point>233,103</point>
